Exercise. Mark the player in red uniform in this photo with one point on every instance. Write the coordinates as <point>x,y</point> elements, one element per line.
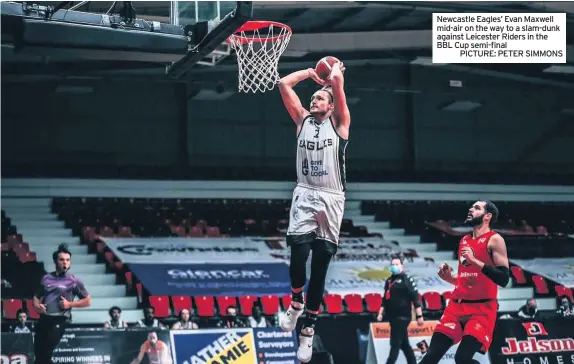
<point>471,314</point>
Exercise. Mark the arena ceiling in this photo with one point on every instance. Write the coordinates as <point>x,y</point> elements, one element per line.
<point>363,33</point>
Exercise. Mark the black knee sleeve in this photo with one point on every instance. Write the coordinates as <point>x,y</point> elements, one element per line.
<point>439,345</point>
<point>322,254</point>
<point>469,346</point>
<point>298,264</point>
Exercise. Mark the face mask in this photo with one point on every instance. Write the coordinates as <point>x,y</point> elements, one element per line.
<point>395,269</point>
<point>564,303</point>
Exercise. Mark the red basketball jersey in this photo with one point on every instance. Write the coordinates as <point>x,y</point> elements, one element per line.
<point>471,283</point>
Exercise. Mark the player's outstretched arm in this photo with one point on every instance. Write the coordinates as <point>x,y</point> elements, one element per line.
<point>290,99</point>
<point>341,112</point>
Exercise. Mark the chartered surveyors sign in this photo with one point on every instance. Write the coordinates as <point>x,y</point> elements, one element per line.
<point>234,346</point>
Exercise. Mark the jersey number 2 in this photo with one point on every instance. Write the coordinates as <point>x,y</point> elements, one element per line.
<point>305,167</point>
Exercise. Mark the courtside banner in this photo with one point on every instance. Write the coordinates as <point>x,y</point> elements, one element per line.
<point>224,279</point>
<point>378,346</point>
<point>188,250</point>
<point>548,341</point>
<point>369,248</point>
<point>103,346</point>
<point>17,348</point>
<point>234,346</point>
<point>230,346</point>
<point>366,277</point>
<point>560,270</point>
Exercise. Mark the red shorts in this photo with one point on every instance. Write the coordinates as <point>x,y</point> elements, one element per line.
<point>474,319</point>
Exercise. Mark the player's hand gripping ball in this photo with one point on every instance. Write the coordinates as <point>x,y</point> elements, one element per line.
<point>324,67</point>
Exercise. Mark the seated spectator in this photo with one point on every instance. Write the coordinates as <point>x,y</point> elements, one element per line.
<point>22,327</point>
<point>529,310</point>
<point>185,322</point>
<point>115,321</point>
<point>565,308</point>
<point>230,320</point>
<point>149,319</point>
<point>257,320</point>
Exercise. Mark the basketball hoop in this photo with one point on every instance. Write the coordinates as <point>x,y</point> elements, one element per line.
<point>258,54</point>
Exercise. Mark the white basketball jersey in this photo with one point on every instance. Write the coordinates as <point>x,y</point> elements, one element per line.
<point>321,156</point>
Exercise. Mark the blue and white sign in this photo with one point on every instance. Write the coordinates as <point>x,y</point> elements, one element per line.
<point>238,346</point>
<point>189,250</point>
<point>224,279</point>
<point>364,277</point>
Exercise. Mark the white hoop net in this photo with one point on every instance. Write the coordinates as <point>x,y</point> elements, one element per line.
<point>258,56</point>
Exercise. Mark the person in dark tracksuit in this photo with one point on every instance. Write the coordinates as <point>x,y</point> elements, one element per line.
<point>400,292</point>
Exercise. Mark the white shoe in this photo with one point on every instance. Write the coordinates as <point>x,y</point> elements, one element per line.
<point>305,351</point>
<point>288,321</point>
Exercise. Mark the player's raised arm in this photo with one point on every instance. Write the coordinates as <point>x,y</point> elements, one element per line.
<point>290,99</point>
<point>341,114</point>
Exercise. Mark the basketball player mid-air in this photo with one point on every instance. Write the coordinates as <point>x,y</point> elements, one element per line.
<point>319,198</point>
<point>471,313</point>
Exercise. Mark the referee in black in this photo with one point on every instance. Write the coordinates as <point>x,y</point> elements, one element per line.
<point>54,300</point>
<point>400,292</point>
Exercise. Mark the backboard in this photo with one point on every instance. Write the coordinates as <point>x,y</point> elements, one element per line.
<point>191,12</point>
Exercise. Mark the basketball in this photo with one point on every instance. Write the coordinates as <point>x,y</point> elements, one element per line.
<point>323,67</point>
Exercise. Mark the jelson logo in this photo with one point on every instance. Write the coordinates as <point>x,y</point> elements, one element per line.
<point>535,328</point>
<point>537,345</point>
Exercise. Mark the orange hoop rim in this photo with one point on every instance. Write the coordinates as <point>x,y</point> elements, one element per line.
<point>253,25</point>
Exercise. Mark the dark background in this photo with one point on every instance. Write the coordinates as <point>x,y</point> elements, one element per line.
<point>60,121</point>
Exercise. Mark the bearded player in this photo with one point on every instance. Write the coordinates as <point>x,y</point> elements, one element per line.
<point>319,199</point>
<point>471,314</point>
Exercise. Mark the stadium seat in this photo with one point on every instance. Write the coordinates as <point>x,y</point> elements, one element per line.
<point>212,232</point>
<point>223,302</point>
<point>564,291</point>
<point>447,295</point>
<point>286,301</point>
<point>246,303</point>
<point>125,232</point>
<point>374,302</point>
<point>196,232</point>
<point>10,307</point>
<point>518,275</point>
<point>540,285</point>
<point>161,305</point>
<point>270,305</point>
<point>180,303</point>
<point>354,303</point>
<point>333,303</point>
<point>32,313</point>
<point>432,301</point>
<point>14,239</point>
<point>139,290</point>
<point>28,257</point>
<point>20,248</point>
<point>129,280</point>
<point>205,306</point>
